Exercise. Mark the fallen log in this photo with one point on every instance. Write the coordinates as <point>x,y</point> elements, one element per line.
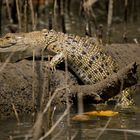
<point>110,86</point>
<point>16,86</point>
<point>18,83</point>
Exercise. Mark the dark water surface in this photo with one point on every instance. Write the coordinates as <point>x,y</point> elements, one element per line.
<point>125,126</point>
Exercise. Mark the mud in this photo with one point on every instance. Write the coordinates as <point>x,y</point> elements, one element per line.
<point>18,82</point>
<point>125,54</point>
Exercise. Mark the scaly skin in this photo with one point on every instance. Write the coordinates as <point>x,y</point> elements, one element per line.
<point>85,56</point>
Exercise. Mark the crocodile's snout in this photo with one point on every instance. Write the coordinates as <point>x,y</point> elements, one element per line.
<point>7,41</point>
<point>4,44</point>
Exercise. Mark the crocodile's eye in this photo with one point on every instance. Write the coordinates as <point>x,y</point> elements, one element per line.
<point>11,39</point>
<point>7,37</point>
<point>45,32</point>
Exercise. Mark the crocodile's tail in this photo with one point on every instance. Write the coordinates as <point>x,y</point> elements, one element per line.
<point>126,99</point>
<point>123,100</point>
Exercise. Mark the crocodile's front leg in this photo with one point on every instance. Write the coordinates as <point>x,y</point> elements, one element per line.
<point>56,60</point>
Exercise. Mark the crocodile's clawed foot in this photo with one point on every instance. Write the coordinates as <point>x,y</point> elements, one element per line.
<point>52,68</point>
<point>97,97</point>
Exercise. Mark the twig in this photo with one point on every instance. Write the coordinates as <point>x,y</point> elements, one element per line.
<point>56,135</point>
<point>8,11</point>
<point>52,115</point>
<point>126,11</point>
<point>7,61</point>
<point>109,19</point>
<point>110,13</point>
<point>37,128</point>
<point>52,97</point>
<point>1,17</point>
<point>16,114</point>
<point>121,130</point>
<point>18,14</point>
<point>33,83</point>
<point>25,17</point>
<point>32,15</point>
<point>67,93</point>
<point>20,137</point>
<point>73,137</point>
<point>80,103</point>
<point>54,126</point>
<point>39,122</point>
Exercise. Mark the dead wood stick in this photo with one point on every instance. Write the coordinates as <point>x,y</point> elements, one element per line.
<point>110,86</point>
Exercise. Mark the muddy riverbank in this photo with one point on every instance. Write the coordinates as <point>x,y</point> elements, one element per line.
<point>19,81</point>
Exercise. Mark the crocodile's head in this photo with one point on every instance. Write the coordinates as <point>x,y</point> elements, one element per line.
<point>8,40</point>
<point>12,40</point>
<point>21,45</point>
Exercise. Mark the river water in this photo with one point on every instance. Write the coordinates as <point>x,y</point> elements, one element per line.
<point>124,126</point>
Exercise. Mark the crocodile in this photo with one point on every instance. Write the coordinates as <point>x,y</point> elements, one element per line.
<point>85,56</point>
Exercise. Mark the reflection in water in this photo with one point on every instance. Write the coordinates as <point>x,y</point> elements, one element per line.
<point>10,129</point>
<point>121,127</point>
<point>124,121</point>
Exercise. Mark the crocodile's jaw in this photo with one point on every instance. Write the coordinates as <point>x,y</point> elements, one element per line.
<point>8,40</point>
<point>21,45</point>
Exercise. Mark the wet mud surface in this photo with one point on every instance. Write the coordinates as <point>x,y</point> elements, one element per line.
<point>18,80</point>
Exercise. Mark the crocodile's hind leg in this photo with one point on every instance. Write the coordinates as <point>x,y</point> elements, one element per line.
<point>126,99</point>
<point>123,100</point>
